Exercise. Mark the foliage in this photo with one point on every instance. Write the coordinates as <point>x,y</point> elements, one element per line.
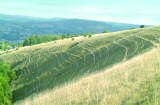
<point>132,28</point>
<point>6,46</point>
<point>142,26</point>
<point>37,39</point>
<point>106,31</point>
<point>85,35</point>
<point>90,35</point>
<point>6,75</point>
<point>72,39</point>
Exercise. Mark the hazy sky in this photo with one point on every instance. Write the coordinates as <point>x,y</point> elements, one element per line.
<point>126,11</point>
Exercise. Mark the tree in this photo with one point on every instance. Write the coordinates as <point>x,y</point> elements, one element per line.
<point>105,31</point>
<point>85,35</point>
<point>142,26</point>
<point>72,39</point>
<point>26,42</point>
<point>90,35</point>
<point>132,28</point>
<point>6,76</point>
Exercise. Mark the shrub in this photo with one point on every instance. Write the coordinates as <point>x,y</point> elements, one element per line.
<point>85,35</point>
<point>6,75</point>
<point>142,26</point>
<point>106,31</point>
<point>132,28</point>
<point>90,35</point>
<point>72,39</point>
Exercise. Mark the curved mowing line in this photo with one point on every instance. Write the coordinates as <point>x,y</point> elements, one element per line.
<point>155,44</point>
<point>76,66</point>
<point>73,55</point>
<point>136,43</point>
<point>29,60</point>
<point>142,43</point>
<point>50,77</point>
<point>94,58</point>
<point>17,57</point>
<point>58,61</point>
<point>99,59</point>
<point>126,52</point>
<point>37,60</point>
<point>60,53</point>
<point>107,51</point>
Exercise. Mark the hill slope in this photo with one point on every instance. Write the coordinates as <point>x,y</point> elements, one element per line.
<point>47,66</point>
<point>135,82</point>
<point>17,28</point>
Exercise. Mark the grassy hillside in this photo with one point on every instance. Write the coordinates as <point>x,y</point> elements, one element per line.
<point>135,82</point>
<point>47,66</point>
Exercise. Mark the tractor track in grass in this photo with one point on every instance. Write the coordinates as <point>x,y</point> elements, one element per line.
<point>141,43</point>
<point>126,50</point>
<point>145,39</point>
<point>61,53</point>
<point>27,67</point>
<point>99,59</point>
<point>136,44</point>
<point>37,60</point>
<point>107,52</point>
<point>58,61</point>
<point>50,77</point>
<point>17,56</point>
<point>73,55</point>
<point>94,58</point>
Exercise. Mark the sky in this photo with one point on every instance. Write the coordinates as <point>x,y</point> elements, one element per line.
<point>123,11</point>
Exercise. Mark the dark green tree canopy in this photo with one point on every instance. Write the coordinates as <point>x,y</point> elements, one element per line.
<point>142,26</point>
<point>6,75</point>
<point>106,31</point>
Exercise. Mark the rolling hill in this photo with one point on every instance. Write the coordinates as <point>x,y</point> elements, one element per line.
<point>46,67</point>
<point>134,82</point>
<point>51,65</point>
<point>18,28</point>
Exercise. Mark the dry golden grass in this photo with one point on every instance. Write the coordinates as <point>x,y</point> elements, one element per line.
<point>111,87</point>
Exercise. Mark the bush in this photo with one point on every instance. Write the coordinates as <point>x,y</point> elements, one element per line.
<point>90,35</point>
<point>6,75</point>
<point>142,26</point>
<point>132,28</point>
<point>72,39</point>
<point>85,35</point>
<point>106,31</point>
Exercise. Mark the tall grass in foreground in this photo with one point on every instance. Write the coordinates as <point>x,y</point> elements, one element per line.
<point>136,81</point>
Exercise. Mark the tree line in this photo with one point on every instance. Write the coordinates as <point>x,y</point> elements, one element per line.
<point>37,39</point>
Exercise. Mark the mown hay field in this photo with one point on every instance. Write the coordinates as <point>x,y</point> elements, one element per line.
<point>54,64</point>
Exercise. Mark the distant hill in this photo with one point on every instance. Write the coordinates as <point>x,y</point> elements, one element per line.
<point>17,28</point>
